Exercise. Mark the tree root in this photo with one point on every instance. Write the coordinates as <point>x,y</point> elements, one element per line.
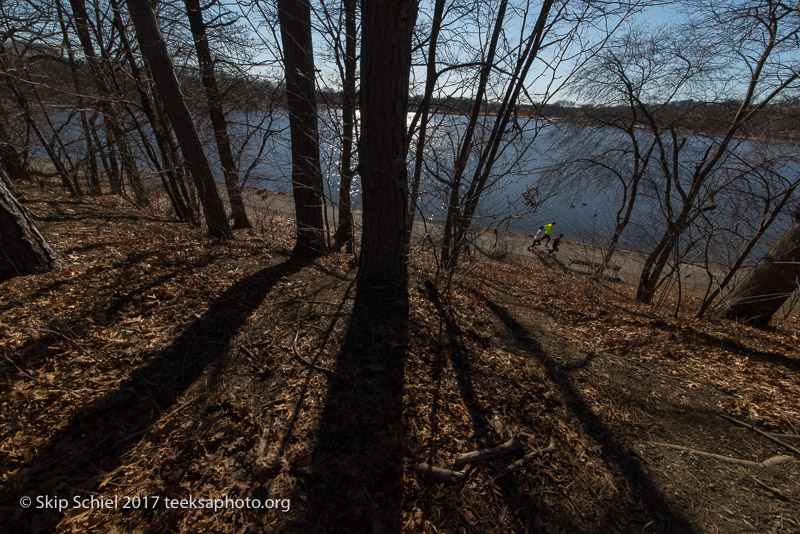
<point>324,370</point>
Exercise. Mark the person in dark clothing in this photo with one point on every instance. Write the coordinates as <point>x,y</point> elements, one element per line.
<point>556,242</point>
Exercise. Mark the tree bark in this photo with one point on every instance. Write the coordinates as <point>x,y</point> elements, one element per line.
<point>155,52</point>
<point>756,299</point>
<point>220,125</point>
<point>161,130</point>
<point>301,95</point>
<point>24,249</point>
<point>385,66</point>
<point>344,230</point>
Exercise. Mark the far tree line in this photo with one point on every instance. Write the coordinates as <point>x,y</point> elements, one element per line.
<point>426,99</point>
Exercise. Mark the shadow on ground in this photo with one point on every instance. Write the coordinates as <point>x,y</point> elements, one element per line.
<point>615,454</point>
<point>96,438</point>
<point>354,482</point>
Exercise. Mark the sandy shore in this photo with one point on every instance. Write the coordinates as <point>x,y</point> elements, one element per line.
<point>578,257</point>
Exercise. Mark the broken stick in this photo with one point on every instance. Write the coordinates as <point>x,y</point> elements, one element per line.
<point>525,460</point>
<point>765,434</point>
<point>485,454</point>
<point>439,473</point>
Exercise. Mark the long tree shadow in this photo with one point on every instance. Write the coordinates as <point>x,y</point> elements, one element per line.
<point>96,438</point>
<point>459,357</point>
<point>614,453</point>
<point>355,477</point>
<point>103,312</point>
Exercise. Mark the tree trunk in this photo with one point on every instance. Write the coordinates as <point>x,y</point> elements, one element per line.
<point>301,96</point>
<point>155,52</point>
<point>93,177</point>
<point>160,129</point>
<point>112,122</point>
<point>756,299</point>
<point>385,66</point>
<point>220,125</point>
<point>423,116</point>
<point>344,231</point>
<point>24,249</point>
<point>455,205</point>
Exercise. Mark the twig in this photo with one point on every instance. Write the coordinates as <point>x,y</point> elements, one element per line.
<point>784,436</point>
<point>525,460</point>
<point>40,382</point>
<point>481,455</point>
<point>766,435</point>
<point>769,488</point>
<point>440,473</point>
<point>324,370</point>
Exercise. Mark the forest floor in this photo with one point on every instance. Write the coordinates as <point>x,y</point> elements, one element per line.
<point>162,363</point>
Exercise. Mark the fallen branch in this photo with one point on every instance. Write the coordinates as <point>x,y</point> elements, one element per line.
<point>440,473</point>
<point>525,460</point>
<point>772,490</point>
<point>771,462</point>
<point>481,455</point>
<point>324,370</point>
<point>784,436</point>
<point>765,434</point>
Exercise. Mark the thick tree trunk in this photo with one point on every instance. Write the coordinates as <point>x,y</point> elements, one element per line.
<point>24,249</point>
<point>344,230</point>
<point>160,129</point>
<point>220,125</point>
<point>301,96</point>
<point>756,299</point>
<point>155,52</point>
<point>385,66</point>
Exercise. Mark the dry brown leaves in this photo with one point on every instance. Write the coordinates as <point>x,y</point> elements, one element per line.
<point>160,362</point>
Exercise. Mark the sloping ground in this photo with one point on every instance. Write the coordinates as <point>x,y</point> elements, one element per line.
<point>164,364</point>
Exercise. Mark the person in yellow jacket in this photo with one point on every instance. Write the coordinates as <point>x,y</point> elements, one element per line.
<point>548,229</point>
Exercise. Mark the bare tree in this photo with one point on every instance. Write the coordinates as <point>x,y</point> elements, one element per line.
<point>768,30</point>
<point>295,22</point>
<point>218,121</point>
<point>100,76</point>
<point>155,52</point>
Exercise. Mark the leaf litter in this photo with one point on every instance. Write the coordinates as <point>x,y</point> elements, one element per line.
<point>160,362</point>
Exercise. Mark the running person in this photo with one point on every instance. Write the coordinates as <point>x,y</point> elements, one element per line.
<point>548,229</point>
